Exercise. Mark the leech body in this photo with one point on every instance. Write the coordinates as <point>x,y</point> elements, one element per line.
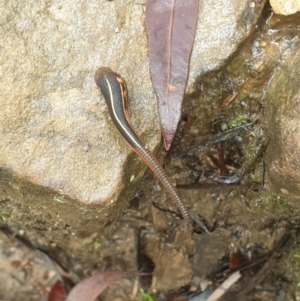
<point>114,90</point>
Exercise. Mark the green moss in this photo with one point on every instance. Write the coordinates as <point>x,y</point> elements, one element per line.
<point>145,296</point>
<point>258,208</point>
<point>59,218</point>
<point>237,121</point>
<point>273,203</point>
<point>4,217</point>
<point>8,216</point>
<point>96,245</point>
<point>59,199</point>
<point>280,203</point>
<point>294,264</point>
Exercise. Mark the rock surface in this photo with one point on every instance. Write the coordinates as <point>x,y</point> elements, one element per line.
<point>24,265</point>
<point>205,256</point>
<point>54,127</point>
<point>282,112</point>
<point>221,27</point>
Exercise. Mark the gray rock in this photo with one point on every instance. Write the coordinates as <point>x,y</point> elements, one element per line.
<point>55,130</point>
<point>54,126</point>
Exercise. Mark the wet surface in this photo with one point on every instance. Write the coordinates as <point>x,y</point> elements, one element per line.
<point>218,163</point>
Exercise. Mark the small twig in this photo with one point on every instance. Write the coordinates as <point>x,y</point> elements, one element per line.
<point>166,210</point>
<point>244,171</point>
<point>261,150</point>
<point>228,100</point>
<point>216,185</point>
<point>258,278</point>
<point>199,222</point>
<point>212,140</point>
<point>221,290</point>
<point>221,156</point>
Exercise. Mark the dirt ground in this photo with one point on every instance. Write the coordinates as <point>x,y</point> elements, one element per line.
<point>218,164</point>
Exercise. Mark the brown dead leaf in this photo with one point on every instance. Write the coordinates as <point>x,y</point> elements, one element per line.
<point>88,289</point>
<point>171,26</point>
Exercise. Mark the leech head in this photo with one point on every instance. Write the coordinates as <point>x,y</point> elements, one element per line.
<point>113,88</point>
<point>102,80</point>
<point>111,85</point>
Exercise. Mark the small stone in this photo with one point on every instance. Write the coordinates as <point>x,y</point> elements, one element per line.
<point>283,7</point>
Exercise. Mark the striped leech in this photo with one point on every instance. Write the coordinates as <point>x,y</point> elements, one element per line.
<point>114,90</point>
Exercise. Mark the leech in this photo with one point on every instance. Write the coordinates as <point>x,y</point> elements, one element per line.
<point>114,90</point>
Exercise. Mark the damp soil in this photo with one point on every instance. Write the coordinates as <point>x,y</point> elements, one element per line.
<point>218,164</point>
